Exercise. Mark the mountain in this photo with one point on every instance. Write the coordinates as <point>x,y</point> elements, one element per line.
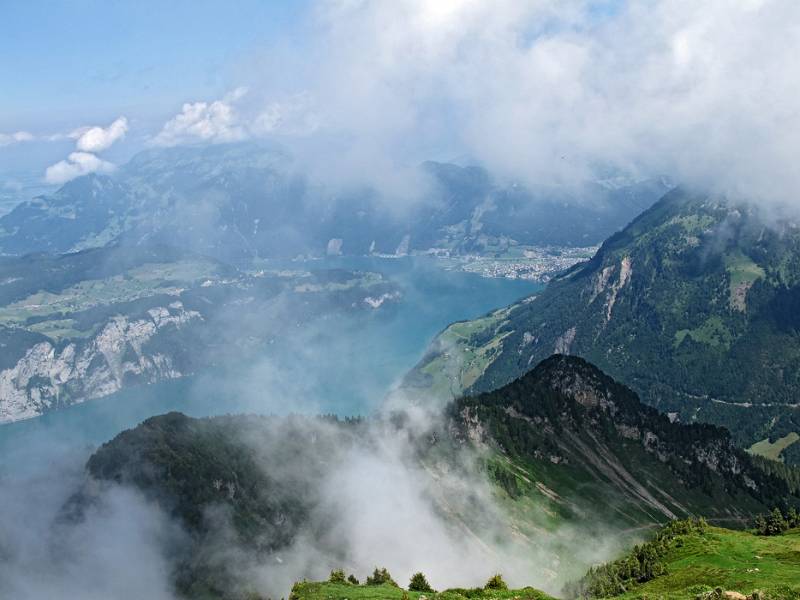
<point>566,421</point>
<point>694,305</point>
<point>86,324</point>
<point>565,445</point>
<point>240,201</point>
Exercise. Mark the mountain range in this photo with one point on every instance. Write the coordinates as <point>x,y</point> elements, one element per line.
<point>235,202</point>
<point>565,444</point>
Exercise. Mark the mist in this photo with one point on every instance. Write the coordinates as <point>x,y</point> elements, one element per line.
<point>379,495</point>
<point>541,92</point>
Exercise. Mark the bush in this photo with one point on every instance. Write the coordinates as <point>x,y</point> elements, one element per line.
<point>496,583</point>
<point>419,583</point>
<point>337,576</point>
<point>352,579</point>
<point>380,577</point>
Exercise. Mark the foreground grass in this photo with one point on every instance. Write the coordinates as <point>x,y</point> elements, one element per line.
<point>731,560</point>
<point>344,591</point>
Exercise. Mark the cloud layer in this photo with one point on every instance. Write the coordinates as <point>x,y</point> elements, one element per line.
<point>542,91</point>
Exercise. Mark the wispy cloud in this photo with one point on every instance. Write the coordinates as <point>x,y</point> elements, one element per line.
<point>7,139</point>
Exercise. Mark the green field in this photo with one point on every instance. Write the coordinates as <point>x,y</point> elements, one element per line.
<point>141,282</point>
<point>460,361</point>
<point>773,450</point>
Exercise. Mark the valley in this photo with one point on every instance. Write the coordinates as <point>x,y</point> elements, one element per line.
<point>400,300</point>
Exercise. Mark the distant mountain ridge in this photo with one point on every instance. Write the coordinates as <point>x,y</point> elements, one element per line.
<point>694,305</point>
<point>240,201</point>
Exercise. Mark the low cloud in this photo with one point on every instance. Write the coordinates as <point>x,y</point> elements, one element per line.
<point>119,549</point>
<point>215,121</point>
<point>75,165</point>
<point>97,139</point>
<point>239,115</point>
<point>88,142</point>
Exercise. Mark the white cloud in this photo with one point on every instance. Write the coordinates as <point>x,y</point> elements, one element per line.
<point>88,141</point>
<point>203,121</point>
<point>544,91</point>
<point>6,139</point>
<point>97,139</point>
<point>240,115</point>
<point>76,164</point>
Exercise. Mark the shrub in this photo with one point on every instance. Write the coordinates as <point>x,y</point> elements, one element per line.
<point>380,577</point>
<point>352,579</point>
<point>419,583</point>
<point>496,583</point>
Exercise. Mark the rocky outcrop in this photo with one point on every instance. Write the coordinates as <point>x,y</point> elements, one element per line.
<point>50,376</point>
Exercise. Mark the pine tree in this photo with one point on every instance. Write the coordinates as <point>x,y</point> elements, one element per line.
<point>419,583</point>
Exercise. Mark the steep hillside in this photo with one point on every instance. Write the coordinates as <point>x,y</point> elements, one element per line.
<point>693,305</point>
<point>575,463</point>
<point>569,433</point>
<point>241,201</point>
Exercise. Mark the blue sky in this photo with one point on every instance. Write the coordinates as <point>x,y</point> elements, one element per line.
<point>538,91</point>
<point>69,63</point>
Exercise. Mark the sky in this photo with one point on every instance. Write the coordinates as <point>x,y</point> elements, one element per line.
<point>538,91</point>
<point>64,62</point>
<point>67,64</point>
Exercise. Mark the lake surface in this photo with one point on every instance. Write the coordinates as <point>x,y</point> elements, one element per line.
<point>342,365</point>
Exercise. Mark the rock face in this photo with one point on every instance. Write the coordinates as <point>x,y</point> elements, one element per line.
<point>49,375</point>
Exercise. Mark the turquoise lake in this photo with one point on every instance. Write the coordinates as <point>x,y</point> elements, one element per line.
<point>342,365</point>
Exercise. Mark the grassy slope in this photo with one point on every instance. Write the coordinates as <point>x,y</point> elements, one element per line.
<point>773,450</point>
<point>344,591</point>
<point>731,560</point>
<point>697,563</point>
